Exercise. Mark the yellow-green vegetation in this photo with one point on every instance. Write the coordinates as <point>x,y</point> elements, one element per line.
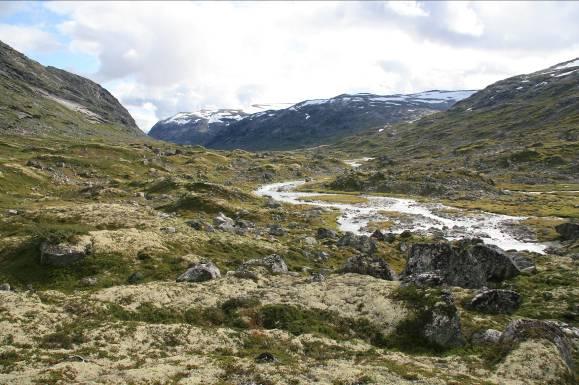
<point>337,198</point>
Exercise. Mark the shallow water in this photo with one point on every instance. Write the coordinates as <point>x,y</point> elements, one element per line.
<point>495,229</point>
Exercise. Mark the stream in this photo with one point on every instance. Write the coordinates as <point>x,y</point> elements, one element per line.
<point>407,214</point>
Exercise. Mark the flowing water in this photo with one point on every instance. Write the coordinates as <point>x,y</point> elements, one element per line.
<point>500,230</point>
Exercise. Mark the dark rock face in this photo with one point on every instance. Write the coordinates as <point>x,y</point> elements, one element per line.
<point>362,243</point>
<point>324,233</point>
<point>558,334</point>
<point>496,301</point>
<point>444,328</point>
<point>466,264</point>
<point>64,253</point>
<point>568,231</point>
<point>273,263</point>
<point>373,266</point>
<point>200,272</point>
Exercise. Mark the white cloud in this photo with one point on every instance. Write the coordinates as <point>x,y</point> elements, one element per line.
<point>184,56</point>
<point>28,38</point>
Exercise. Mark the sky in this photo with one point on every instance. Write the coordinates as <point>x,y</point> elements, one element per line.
<point>161,58</point>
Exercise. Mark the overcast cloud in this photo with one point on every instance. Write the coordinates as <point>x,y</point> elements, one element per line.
<point>161,58</point>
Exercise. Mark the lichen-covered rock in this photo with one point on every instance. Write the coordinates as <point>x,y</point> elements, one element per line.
<point>277,230</point>
<point>224,223</point>
<point>424,280</point>
<point>373,266</point>
<point>5,287</point>
<point>568,231</point>
<point>200,272</point>
<point>467,263</point>
<point>324,233</point>
<point>362,243</point>
<point>273,263</point>
<point>496,301</point>
<point>486,337</point>
<point>443,327</point>
<point>523,329</point>
<point>135,278</point>
<point>65,253</point>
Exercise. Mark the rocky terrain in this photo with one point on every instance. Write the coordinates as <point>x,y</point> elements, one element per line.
<point>305,124</point>
<point>129,260</point>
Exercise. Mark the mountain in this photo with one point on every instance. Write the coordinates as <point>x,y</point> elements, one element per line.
<point>308,123</point>
<point>525,128</point>
<point>40,100</point>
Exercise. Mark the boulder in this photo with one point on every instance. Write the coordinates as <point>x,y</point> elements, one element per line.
<point>362,243</point>
<point>373,266</point>
<point>12,212</point>
<point>277,230</point>
<point>265,357</point>
<point>424,280</point>
<point>223,222</point>
<point>496,301</point>
<point>195,224</point>
<point>272,203</point>
<point>568,231</point>
<point>89,281</point>
<point>443,327</point>
<point>378,235</point>
<point>522,329</point>
<point>324,233</point>
<point>65,253</point>
<point>273,263</point>
<point>5,287</point>
<point>310,241</point>
<point>135,278</point>
<point>467,263</point>
<point>486,337</point>
<point>200,272</point>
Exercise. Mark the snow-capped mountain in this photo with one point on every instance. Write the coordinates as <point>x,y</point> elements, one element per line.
<point>308,123</point>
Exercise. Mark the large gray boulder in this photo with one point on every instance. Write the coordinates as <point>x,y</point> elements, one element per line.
<point>224,223</point>
<point>443,327</point>
<point>324,233</point>
<point>568,231</point>
<point>366,265</point>
<point>496,301</point>
<point>65,253</point>
<point>362,243</point>
<point>200,272</point>
<point>273,263</point>
<point>468,263</point>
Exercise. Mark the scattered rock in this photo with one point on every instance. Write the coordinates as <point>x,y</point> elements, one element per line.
<point>195,224</point>
<point>223,222</point>
<point>5,287</point>
<point>378,235</point>
<point>169,230</point>
<point>324,233</point>
<point>496,301</point>
<point>317,277</point>
<point>443,327</point>
<point>272,203</point>
<point>424,280</point>
<point>277,230</point>
<point>362,243</point>
<point>200,272</point>
<point>522,329</point>
<point>273,263</point>
<point>373,266</point>
<point>12,212</point>
<point>568,231</point>
<point>265,358</point>
<point>89,281</point>
<point>486,337</point>
<point>136,277</point>
<point>65,253</point>
<point>310,241</point>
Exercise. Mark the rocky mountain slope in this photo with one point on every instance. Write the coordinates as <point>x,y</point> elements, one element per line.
<point>40,100</point>
<point>524,129</point>
<point>309,123</point>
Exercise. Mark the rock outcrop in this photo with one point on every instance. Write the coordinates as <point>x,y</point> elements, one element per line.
<point>373,266</point>
<point>200,272</point>
<point>362,243</point>
<point>272,263</point>
<point>443,327</point>
<point>65,253</point>
<point>496,301</point>
<point>568,231</point>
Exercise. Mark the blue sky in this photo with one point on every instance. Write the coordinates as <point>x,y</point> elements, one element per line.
<point>160,58</point>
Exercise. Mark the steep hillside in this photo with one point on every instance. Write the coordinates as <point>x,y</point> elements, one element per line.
<point>40,100</point>
<point>527,125</point>
<point>309,123</point>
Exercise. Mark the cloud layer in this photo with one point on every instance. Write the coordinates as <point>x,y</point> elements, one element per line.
<point>160,58</point>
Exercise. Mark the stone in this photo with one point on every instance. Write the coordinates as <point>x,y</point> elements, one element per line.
<point>444,328</point>
<point>317,277</point>
<point>135,278</point>
<point>423,280</point>
<point>389,237</point>
<point>12,212</point>
<point>5,287</point>
<point>273,263</point>
<point>568,231</point>
<point>378,235</point>
<point>272,203</point>
<point>169,230</point>
<point>324,233</point>
<point>195,224</point>
<point>223,222</point>
<point>200,272</point>
<point>265,357</point>
<point>486,337</point>
<point>522,329</point>
<point>89,281</point>
<point>244,224</point>
<point>310,241</point>
<point>362,243</point>
<point>65,253</point>
<point>372,266</point>
<point>468,263</point>
<point>496,301</point>
<point>277,230</point>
